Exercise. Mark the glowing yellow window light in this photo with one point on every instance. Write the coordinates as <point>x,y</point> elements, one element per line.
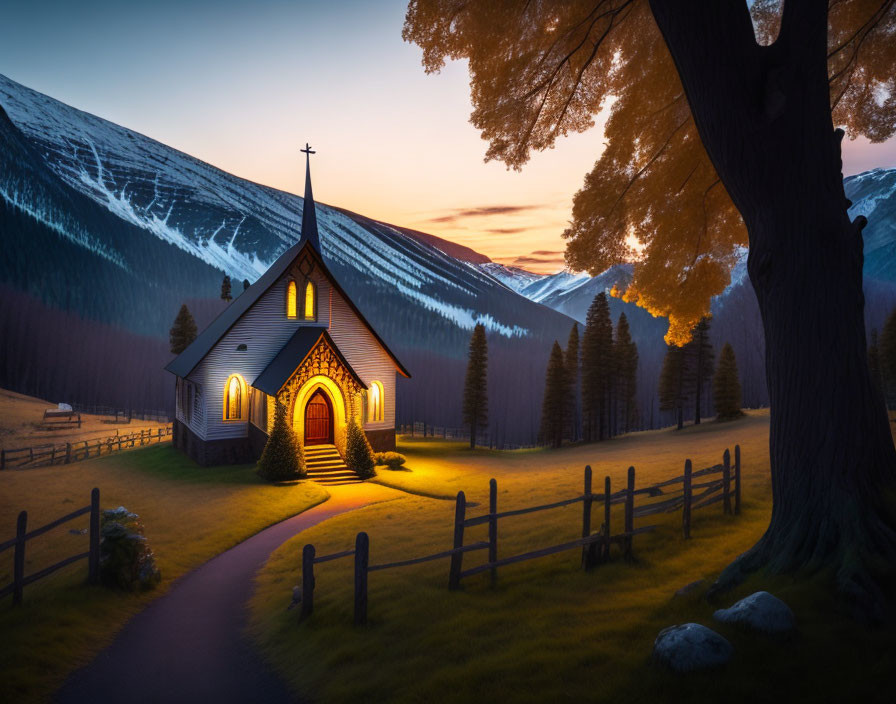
<point>291,300</point>
<point>309,301</point>
<point>375,407</point>
<point>233,399</point>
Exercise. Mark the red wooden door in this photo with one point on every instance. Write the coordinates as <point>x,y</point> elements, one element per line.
<point>318,420</point>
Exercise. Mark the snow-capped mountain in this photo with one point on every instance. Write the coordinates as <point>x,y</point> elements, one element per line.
<point>240,227</point>
<point>555,284</point>
<point>873,194</point>
<point>513,277</point>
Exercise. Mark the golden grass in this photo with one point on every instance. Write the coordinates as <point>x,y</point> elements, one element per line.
<point>190,513</point>
<point>549,631</point>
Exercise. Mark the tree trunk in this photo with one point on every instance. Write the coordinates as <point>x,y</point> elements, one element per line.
<point>699,391</point>
<point>763,114</point>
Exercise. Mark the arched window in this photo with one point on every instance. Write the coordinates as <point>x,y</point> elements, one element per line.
<point>375,402</point>
<point>309,301</point>
<point>291,296</point>
<point>234,397</point>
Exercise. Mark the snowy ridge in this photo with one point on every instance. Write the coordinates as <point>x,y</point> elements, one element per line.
<point>238,226</point>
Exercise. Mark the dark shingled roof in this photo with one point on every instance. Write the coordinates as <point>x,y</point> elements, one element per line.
<point>277,373</point>
<point>187,360</point>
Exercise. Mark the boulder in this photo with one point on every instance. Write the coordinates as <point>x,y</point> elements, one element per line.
<point>691,588</point>
<point>691,647</point>
<point>759,612</point>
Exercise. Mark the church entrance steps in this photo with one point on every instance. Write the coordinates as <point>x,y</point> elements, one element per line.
<point>326,466</point>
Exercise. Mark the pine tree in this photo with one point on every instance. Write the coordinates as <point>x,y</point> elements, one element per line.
<point>225,289</point>
<point>475,404</point>
<point>887,352</point>
<point>183,332</point>
<point>245,284</point>
<point>672,382</point>
<point>701,363</point>
<point>597,357</point>
<point>571,361</point>
<point>625,357</point>
<point>283,457</point>
<point>554,407</point>
<point>726,386</point>
<point>358,453</point>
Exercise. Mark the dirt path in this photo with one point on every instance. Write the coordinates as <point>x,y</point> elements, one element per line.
<point>191,645</point>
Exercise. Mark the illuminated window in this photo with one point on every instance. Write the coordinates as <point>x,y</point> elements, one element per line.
<point>375,402</point>
<point>309,301</point>
<point>234,395</point>
<point>291,299</point>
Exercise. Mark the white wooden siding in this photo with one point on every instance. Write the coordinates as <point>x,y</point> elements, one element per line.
<point>365,355</point>
<point>197,419</point>
<point>264,329</point>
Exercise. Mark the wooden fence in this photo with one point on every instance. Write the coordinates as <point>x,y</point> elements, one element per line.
<point>595,545</point>
<point>483,438</point>
<point>122,415</point>
<point>19,580</point>
<point>66,453</point>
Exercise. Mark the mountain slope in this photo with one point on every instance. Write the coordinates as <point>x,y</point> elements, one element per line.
<point>119,229</point>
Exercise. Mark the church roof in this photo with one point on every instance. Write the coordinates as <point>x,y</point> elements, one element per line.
<point>190,358</point>
<point>187,361</point>
<point>293,353</point>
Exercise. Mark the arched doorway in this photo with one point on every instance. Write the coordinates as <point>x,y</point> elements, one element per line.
<point>318,419</point>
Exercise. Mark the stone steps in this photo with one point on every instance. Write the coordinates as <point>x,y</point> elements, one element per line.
<point>326,466</point>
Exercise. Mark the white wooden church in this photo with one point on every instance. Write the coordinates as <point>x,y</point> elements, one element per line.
<point>294,337</point>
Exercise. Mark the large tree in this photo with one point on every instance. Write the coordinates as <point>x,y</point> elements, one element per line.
<point>183,332</point>
<point>673,382</point>
<point>475,403</point>
<point>571,359</point>
<point>702,364</point>
<point>721,134</point>
<point>555,405</point>
<point>597,365</point>
<point>625,358</point>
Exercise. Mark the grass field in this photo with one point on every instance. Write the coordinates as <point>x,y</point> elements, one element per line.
<point>190,513</point>
<point>550,631</point>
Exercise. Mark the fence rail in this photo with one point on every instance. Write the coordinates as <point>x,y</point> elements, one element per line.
<point>483,438</point>
<point>122,415</point>
<point>66,453</point>
<point>595,545</point>
<point>20,581</point>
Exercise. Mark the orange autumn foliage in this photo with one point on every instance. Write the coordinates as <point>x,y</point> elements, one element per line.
<point>540,70</point>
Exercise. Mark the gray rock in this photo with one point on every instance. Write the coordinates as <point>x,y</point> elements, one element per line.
<point>690,647</point>
<point>759,612</point>
<point>296,597</point>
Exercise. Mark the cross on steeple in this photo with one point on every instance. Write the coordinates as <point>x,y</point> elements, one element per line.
<point>309,216</point>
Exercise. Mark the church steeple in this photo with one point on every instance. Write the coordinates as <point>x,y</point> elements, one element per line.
<point>309,216</point>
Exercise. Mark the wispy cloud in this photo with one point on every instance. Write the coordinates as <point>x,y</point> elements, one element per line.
<point>541,259</point>
<point>506,230</point>
<point>485,211</point>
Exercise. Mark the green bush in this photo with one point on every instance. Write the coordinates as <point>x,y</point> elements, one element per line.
<point>283,457</point>
<point>126,562</point>
<point>379,458</point>
<point>393,460</point>
<point>358,453</point>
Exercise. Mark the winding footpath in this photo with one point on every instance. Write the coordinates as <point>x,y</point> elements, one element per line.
<point>191,644</point>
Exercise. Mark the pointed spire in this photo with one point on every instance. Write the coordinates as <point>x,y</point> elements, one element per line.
<point>309,216</point>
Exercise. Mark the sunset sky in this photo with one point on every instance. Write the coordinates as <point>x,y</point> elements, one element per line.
<point>242,85</point>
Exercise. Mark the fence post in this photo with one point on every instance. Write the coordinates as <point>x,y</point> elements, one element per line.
<point>68,453</point>
<point>686,505</point>
<point>493,527</point>
<point>93,560</point>
<point>737,480</point>
<point>726,481</point>
<point>18,565</point>
<point>307,582</point>
<point>362,560</point>
<point>460,513</point>
<point>606,556</point>
<point>587,550</point>
<point>629,512</point>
